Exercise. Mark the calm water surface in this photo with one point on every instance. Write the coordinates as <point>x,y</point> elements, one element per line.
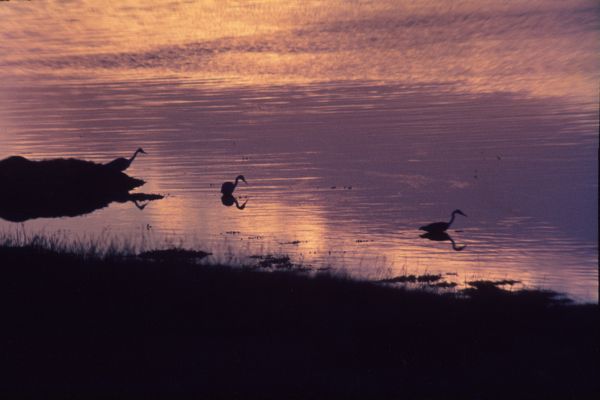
<point>354,124</point>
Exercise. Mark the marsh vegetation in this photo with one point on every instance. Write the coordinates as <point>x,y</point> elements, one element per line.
<point>79,321</point>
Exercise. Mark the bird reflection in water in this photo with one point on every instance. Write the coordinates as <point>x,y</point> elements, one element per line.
<point>442,237</point>
<point>44,206</point>
<point>229,200</point>
<point>140,200</point>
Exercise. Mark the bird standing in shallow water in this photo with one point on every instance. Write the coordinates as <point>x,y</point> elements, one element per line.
<point>227,188</point>
<point>121,163</point>
<point>439,227</point>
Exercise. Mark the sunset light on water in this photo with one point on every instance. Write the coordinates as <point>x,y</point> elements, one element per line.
<point>354,123</point>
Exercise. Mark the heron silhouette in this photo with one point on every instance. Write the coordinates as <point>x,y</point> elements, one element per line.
<point>441,237</point>
<point>229,200</point>
<point>227,188</point>
<point>440,227</point>
<point>122,163</point>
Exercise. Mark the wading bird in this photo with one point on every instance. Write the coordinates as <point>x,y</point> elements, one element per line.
<point>228,187</point>
<point>121,163</point>
<point>439,227</point>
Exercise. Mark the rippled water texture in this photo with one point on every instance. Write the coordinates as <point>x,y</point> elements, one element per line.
<point>353,122</point>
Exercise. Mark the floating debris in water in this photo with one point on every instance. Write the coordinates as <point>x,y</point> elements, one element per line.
<point>425,278</point>
<point>484,283</point>
<point>400,279</point>
<point>277,262</point>
<point>174,255</point>
<point>429,278</point>
<point>444,285</point>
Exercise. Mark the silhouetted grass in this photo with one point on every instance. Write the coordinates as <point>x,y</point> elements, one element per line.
<point>102,246</point>
<point>77,323</point>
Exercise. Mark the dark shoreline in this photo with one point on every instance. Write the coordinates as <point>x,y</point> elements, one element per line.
<point>80,326</point>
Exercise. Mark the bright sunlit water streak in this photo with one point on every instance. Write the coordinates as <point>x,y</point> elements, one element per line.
<point>419,107</point>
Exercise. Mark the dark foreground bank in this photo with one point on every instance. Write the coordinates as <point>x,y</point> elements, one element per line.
<point>135,326</point>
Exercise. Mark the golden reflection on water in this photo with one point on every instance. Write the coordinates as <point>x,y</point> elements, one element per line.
<point>319,94</point>
<point>309,238</point>
<point>538,47</point>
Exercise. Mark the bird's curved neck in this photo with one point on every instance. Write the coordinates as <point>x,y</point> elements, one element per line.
<point>455,247</point>
<point>236,182</point>
<point>134,155</point>
<point>237,204</point>
<point>138,205</point>
<point>451,219</point>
